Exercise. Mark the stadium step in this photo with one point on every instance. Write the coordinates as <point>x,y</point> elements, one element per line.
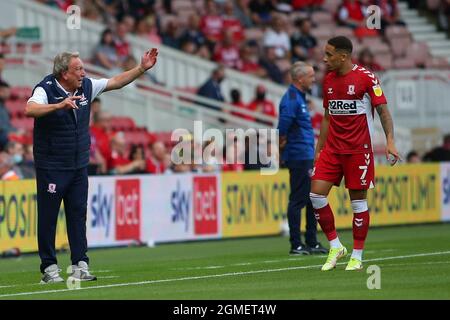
<point>426,28</point>
<point>440,52</point>
<point>415,20</point>
<point>405,14</point>
<point>438,44</point>
<point>438,36</point>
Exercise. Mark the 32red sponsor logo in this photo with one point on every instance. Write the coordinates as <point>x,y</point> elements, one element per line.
<point>205,205</point>
<point>128,212</point>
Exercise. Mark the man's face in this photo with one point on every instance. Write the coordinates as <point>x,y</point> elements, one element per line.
<point>306,27</point>
<point>75,73</point>
<point>333,59</point>
<point>308,79</point>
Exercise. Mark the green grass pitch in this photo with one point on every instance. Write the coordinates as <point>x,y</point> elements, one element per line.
<point>414,263</point>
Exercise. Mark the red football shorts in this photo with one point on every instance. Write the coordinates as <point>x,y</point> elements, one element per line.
<point>357,169</point>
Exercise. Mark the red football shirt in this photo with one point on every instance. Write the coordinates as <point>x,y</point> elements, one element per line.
<point>350,100</point>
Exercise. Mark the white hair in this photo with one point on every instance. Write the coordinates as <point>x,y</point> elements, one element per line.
<point>299,69</point>
<point>61,62</point>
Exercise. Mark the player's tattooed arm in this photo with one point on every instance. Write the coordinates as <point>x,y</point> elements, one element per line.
<point>388,127</point>
<point>323,133</point>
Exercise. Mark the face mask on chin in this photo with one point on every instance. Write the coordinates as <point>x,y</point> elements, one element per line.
<point>17,158</point>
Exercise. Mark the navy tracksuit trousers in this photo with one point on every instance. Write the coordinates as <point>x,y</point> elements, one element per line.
<point>71,187</point>
<point>300,183</point>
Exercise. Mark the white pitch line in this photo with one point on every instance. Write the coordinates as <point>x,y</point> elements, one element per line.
<point>213,276</point>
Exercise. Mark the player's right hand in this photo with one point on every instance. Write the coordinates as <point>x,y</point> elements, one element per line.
<point>69,103</point>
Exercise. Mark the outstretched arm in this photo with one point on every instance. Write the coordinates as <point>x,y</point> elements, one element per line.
<point>148,60</point>
<point>388,127</point>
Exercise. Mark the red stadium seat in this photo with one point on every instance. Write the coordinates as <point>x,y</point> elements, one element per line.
<point>23,123</point>
<point>21,93</point>
<point>437,63</point>
<point>16,108</point>
<point>419,52</point>
<point>404,63</point>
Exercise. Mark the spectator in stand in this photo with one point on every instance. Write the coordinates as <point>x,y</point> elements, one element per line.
<point>261,11</point>
<point>226,52</point>
<point>136,8</point>
<point>232,23</point>
<point>100,133</point>
<point>413,157</point>
<point>302,42</point>
<point>170,36</point>
<point>5,124</point>
<point>211,24</point>
<point>147,29</point>
<point>118,162</point>
<point>234,156</point>
<point>6,168</point>
<point>262,105</point>
<point>249,63</point>
<point>278,37</point>
<point>192,33</point>
<point>105,54</point>
<point>27,165</point>
<point>366,59</point>
<point>242,12</point>
<point>309,5</point>
<point>137,154</point>
<point>211,162</point>
<point>121,44</point>
<point>352,14</point>
<point>211,88</point>
<point>269,64</point>
<point>390,14</point>
<point>237,102</point>
<point>156,163</point>
<point>439,154</point>
<point>96,108</point>
<point>15,150</point>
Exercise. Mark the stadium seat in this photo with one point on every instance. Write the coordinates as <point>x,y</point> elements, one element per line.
<point>399,46</point>
<point>16,108</point>
<point>404,63</point>
<point>21,93</point>
<point>419,52</point>
<point>385,60</point>
<point>322,18</point>
<point>254,34</point>
<point>322,33</point>
<point>23,123</point>
<point>331,5</point>
<point>437,63</point>
<point>343,31</point>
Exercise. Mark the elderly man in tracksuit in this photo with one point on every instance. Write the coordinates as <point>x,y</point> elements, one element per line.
<point>61,105</point>
<point>297,152</point>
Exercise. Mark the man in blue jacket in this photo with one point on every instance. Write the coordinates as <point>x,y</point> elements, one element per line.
<point>297,153</point>
<point>61,105</point>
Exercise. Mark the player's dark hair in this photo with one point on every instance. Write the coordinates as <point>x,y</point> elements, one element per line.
<point>341,43</point>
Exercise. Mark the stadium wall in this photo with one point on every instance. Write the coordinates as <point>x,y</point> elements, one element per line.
<point>151,209</point>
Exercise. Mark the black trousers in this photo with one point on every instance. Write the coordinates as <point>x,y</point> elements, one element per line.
<point>53,187</point>
<point>300,183</point>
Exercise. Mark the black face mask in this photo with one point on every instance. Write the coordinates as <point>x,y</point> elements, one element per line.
<point>260,96</point>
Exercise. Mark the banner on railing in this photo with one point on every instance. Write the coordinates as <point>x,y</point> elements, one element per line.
<point>402,195</point>
<point>181,207</point>
<point>18,217</point>
<point>253,204</point>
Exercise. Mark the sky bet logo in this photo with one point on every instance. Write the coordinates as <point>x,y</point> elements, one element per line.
<point>180,201</point>
<point>446,188</point>
<point>342,107</point>
<point>101,204</point>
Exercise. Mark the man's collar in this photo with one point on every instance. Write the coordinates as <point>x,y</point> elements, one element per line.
<point>64,90</point>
